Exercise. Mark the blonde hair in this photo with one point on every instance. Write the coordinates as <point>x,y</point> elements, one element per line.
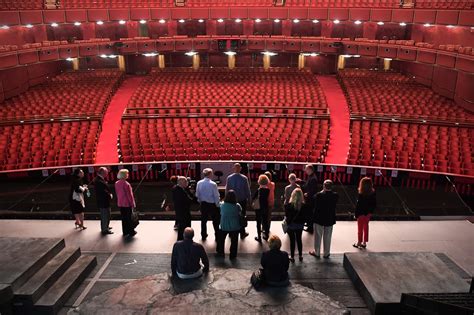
<point>263,180</point>
<point>122,174</point>
<point>297,198</point>
<point>292,177</point>
<point>366,187</point>
<point>274,242</point>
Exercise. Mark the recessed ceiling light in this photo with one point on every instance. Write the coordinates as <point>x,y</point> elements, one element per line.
<point>142,21</point>
<point>220,20</point>
<point>100,22</point>
<point>200,20</point>
<point>296,21</point>
<point>427,25</point>
<point>162,21</point>
<point>77,23</point>
<point>336,21</point>
<point>54,24</point>
<point>181,21</point>
<point>276,20</point>
<point>403,24</point>
<point>28,25</point>
<point>380,23</point>
<point>357,22</point>
<point>450,26</point>
<point>238,20</point>
<point>258,20</point>
<point>315,21</point>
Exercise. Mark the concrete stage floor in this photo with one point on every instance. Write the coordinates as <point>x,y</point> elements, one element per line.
<point>121,260</point>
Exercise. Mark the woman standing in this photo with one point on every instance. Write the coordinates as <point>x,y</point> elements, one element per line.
<point>295,218</point>
<point>289,188</point>
<point>271,197</point>
<point>76,198</point>
<point>261,213</point>
<point>366,204</point>
<point>125,202</point>
<point>230,224</point>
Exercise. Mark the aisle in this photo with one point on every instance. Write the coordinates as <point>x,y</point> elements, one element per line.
<point>339,120</point>
<point>107,144</point>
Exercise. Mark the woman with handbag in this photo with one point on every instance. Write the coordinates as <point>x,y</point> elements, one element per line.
<point>125,202</point>
<point>230,212</point>
<point>295,219</point>
<point>261,207</point>
<point>76,198</point>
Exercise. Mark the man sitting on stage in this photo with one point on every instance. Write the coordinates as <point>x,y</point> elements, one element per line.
<point>188,259</point>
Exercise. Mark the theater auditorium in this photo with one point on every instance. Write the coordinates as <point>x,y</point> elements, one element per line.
<point>229,156</point>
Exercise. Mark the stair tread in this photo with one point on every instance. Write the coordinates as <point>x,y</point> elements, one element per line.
<point>37,280</point>
<point>62,285</point>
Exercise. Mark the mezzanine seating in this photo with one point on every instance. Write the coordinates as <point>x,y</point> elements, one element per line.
<point>89,96</point>
<point>389,94</point>
<point>412,146</point>
<point>216,138</point>
<point>48,144</point>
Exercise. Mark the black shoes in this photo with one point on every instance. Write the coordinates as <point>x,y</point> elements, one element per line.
<point>107,232</point>
<point>243,235</point>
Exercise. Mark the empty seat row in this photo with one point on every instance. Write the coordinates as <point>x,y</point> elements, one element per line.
<point>90,95</point>
<point>48,144</point>
<point>380,93</point>
<point>205,138</point>
<point>412,146</point>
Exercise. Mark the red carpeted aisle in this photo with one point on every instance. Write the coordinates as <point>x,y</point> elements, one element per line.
<point>107,145</point>
<point>339,120</point>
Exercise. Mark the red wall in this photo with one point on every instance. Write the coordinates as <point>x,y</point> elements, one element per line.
<point>443,35</point>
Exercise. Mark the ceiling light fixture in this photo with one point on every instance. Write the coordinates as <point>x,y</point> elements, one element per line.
<point>403,24</point>
<point>380,23</point>
<point>296,21</point>
<point>54,24</point>
<point>200,20</point>
<point>315,21</point>
<point>357,22</point>
<point>230,53</point>
<point>336,21</point>
<point>100,22</point>
<point>142,21</point>
<point>238,20</point>
<point>162,21</point>
<point>122,22</point>
<point>269,53</point>
<point>29,25</point>
<point>181,21</point>
<point>258,20</point>
<point>77,23</point>
<point>220,20</point>
<point>190,53</point>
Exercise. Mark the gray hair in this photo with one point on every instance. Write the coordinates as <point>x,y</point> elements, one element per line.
<point>328,184</point>
<point>292,177</point>
<point>207,172</point>
<point>122,174</point>
<point>188,233</point>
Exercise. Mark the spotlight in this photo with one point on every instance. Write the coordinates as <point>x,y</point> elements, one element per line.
<point>269,53</point>
<point>142,22</point>
<point>77,23</point>
<point>357,22</point>
<point>258,20</point>
<point>200,20</point>
<point>100,22</point>
<point>122,22</point>
<point>5,27</point>
<point>230,53</point>
<point>315,21</point>
<point>238,20</point>
<point>276,20</point>
<point>162,21</point>
<point>181,21</point>
<point>296,21</point>
<point>220,20</point>
<point>380,23</point>
<point>54,24</point>
<point>403,24</point>
<point>336,21</point>
<point>427,25</point>
<point>190,53</point>
<point>28,25</point>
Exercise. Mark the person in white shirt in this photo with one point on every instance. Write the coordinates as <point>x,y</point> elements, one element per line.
<point>209,199</point>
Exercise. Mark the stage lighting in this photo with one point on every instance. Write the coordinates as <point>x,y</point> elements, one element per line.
<point>380,23</point>
<point>54,24</point>
<point>336,21</point>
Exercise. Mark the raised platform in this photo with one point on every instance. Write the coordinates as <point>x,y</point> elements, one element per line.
<point>381,278</point>
<point>221,291</point>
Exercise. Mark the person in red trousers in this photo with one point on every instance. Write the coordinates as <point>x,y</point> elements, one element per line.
<point>366,204</point>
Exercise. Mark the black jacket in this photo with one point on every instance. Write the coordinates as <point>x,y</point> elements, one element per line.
<point>325,208</point>
<point>294,216</point>
<point>366,204</point>
<point>186,257</point>
<point>102,192</point>
<point>263,194</point>
<point>182,200</point>
<point>275,265</point>
<point>310,187</point>
<point>75,187</point>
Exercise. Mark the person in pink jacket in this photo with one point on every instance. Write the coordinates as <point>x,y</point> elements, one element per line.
<point>125,202</point>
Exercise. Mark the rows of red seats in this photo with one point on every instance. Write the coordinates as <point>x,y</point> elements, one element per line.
<point>214,138</point>
<point>378,93</point>
<point>444,4</point>
<point>82,4</point>
<point>48,144</point>
<point>246,87</point>
<point>21,4</point>
<point>412,146</point>
<point>82,93</point>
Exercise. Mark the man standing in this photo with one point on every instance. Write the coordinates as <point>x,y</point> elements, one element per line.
<point>208,196</point>
<point>310,189</point>
<point>182,205</point>
<point>103,196</point>
<point>187,257</point>
<point>239,183</point>
<point>324,219</point>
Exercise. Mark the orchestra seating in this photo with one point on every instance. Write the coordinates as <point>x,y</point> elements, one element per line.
<point>389,94</point>
<point>280,89</point>
<point>48,144</point>
<point>223,138</point>
<point>21,4</point>
<point>90,96</point>
<point>412,146</point>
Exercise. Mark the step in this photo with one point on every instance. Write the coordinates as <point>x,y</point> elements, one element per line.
<point>34,287</point>
<point>55,297</point>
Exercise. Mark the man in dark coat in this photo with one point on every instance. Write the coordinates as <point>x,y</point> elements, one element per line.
<point>310,188</point>
<point>182,200</point>
<point>103,196</point>
<point>324,218</point>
